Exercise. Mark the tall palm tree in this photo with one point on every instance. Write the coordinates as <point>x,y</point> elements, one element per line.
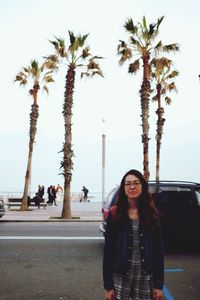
<point>37,75</point>
<point>141,44</point>
<point>76,55</point>
<point>163,76</point>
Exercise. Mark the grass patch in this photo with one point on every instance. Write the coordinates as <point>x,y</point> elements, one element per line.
<point>60,218</point>
<point>15,209</point>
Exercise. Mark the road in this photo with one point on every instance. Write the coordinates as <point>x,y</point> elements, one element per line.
<point>50,261</point>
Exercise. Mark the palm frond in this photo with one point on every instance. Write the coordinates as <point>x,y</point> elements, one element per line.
<point>144,23</point>
<point>80,65</point>
<point>31,92</point>
<point>55,44</point>
<point>171,47</point>
<point>61,42</point>
<point>23,82</point>
<point>92,64</point>
<point>125,53</point>
<point>97,73</point>
<point>159,21</point>
<point>97,57</point>
<point>151,29</point>
<point>136,43</point>
<point>48,79</point>
<point>121,45</point>
<point>173,74</point>
<point>34,65</point>
<point>87,74</point>
<point>81,39</point>
<point>130,27</point>
<point>158,47</point>
<point>25,70</point>
<point>133,40</point>
<point>85,52</point>
<point>172,87</point>
<point>71,37</point>
<point>51,62</point>
<point>134,67</point>
<point>155,98</point>
<point>59,45</point>
<point>18,78</point>
<point>168,100</point>
<point>45,88</point>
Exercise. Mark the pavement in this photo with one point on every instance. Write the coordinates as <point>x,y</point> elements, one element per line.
<point>81,212</point>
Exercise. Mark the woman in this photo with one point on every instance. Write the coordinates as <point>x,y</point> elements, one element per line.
<point>133,264</point>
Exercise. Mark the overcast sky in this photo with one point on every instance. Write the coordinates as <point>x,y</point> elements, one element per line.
<point>26,27</point>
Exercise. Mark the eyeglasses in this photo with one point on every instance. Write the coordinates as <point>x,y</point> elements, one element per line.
<point>136,184</point>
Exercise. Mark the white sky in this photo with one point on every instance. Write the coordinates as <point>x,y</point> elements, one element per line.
<point>26,27</point>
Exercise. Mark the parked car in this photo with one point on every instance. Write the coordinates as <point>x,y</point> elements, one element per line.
<point>179,205</point>
<point>2,209</point>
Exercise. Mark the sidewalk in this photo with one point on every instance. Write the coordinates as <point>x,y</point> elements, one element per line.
<point>81,212</point>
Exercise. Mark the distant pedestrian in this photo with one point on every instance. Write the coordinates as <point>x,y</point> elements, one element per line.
<point>59,192</point>
<point>40,191</point>
<point>59,188</point>
<point>49,193</point>
<point>53,194</point>
<point>85,193</point>
<point>37,199</point>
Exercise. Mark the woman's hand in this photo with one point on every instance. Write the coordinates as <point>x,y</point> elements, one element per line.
<point>109,295</point>
<point>157,294</point>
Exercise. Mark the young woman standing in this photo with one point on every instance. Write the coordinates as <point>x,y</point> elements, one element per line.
<point>133,263</point>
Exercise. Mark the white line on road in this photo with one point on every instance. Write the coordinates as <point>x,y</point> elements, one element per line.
<point>51,238</point>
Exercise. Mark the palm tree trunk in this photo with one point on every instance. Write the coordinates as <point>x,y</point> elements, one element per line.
<point>24,205</point>
<point>33,127</point>
<point>145,94</point>
<point>160,124</point>
<point>67,163</point>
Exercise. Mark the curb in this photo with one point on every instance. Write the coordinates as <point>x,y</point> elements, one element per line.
<point>52,221</point>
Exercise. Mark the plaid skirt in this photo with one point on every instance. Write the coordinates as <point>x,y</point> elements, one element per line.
<point>135,284</point>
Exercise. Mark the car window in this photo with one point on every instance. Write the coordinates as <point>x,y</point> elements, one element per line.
<point>197,192</point>
<point>172,196</point>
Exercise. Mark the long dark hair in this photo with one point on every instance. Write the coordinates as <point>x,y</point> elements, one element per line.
<point>148,214</point>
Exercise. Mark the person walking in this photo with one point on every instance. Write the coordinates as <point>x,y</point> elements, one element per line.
<point>85,193</point>
<point>53,195</point>
<point>133,260</point>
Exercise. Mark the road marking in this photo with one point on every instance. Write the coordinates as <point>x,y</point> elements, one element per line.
<point>166,292</point>
<point>174,270</point>
<point>51,238</point>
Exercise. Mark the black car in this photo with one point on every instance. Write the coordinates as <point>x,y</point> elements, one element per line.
<point>179,205</point>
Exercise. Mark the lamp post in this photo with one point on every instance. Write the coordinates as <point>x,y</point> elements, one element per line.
<point>103,162</point>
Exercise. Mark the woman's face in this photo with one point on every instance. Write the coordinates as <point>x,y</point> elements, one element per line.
<point>132,187</point>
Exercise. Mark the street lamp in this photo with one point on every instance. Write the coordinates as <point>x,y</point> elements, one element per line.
<point>103,161</point>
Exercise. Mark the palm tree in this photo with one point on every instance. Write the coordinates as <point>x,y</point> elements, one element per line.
<point>163,76</point>
<point>36,74</point>
<point>76,55</point>
<point>141,44</point>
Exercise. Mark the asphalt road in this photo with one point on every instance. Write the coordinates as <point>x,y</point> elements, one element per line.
<point>50,261</point>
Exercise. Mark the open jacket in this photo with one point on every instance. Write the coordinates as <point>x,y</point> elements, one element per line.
<point>118,250</point>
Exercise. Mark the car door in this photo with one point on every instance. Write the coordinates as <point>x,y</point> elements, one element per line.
<point>179,213</point>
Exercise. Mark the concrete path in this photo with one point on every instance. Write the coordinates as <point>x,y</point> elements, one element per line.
<point>81,212</point>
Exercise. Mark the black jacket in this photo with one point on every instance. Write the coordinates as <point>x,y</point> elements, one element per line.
<point>118,250</point>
